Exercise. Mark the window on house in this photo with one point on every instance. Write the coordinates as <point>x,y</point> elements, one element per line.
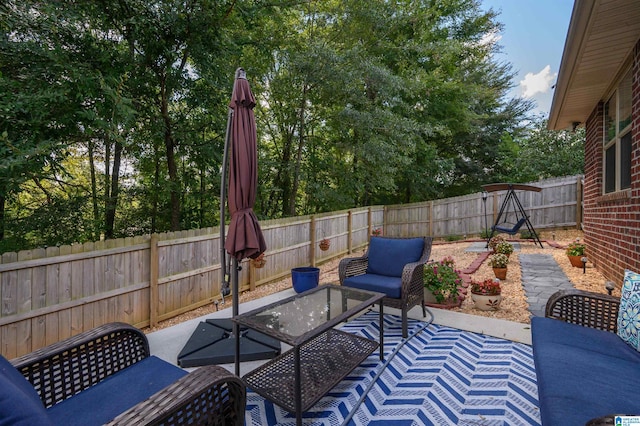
<point>617,137</point>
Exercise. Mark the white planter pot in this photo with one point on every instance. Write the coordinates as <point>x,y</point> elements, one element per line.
<point>485,302</point>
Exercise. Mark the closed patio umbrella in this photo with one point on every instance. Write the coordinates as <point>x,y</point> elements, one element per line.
<point>212,342</point>
<point>245,237</point>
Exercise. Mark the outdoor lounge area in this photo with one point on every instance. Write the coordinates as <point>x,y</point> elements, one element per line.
<point>453,367</point>
<point>429,380</point>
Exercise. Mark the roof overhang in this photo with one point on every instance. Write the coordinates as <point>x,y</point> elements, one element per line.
<point>600,39</point>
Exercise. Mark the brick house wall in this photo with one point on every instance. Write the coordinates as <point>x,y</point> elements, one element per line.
<point>611,221</point>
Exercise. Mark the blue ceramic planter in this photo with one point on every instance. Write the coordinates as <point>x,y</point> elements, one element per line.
<point>305,278</point>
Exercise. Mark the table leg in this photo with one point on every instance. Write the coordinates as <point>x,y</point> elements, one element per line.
<point>381,334</point>
<point>298,384</point>
<point>236,336</point>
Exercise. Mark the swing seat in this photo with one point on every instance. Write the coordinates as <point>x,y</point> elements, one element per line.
<point>511,231</point>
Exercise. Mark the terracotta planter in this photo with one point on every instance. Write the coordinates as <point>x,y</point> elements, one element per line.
<point>324,245</point>
<point>500,273</point>
<point>486,302</point>
<point>259,261</point>
<point>576,261</point>
<point>430,300</point>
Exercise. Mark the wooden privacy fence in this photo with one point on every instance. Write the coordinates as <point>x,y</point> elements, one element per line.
<point>50,294</point>
<point>558,205</point>
<point>54,293</point>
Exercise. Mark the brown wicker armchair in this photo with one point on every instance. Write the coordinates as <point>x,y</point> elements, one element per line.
<point>584,308</point>
<point>412,289</point>
<point>207,396</point>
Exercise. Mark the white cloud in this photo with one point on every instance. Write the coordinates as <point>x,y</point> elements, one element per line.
<point>491,38</point>
<point>537,83</point>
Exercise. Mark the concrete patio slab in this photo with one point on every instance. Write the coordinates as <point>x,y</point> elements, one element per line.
<point>167,343</point>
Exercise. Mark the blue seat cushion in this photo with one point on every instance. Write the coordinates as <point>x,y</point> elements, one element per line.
<point>391,286</point>
<point>20,404</point>
<point>582,373</point>
<point>116,394</point>
<point>388,256</point>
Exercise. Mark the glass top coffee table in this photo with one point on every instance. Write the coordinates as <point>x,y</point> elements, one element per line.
<point>321,356</point>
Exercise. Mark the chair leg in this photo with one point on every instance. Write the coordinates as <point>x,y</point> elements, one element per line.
<point>405,331</point>
<point>424,310</point>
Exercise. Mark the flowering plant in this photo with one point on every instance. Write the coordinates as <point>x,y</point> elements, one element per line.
<point>376,232</point>
<point>442,279</point>
<point>504,248</point>
<point>488,287</point>
<point>493,242</point>
<point>498,260</point>
<point>576,248</point>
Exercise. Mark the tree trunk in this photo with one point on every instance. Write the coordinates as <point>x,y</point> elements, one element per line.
<point>156,190</point>
<point>301,141</point>
<point>2,205</point>
<point>112,201</point>
<point>94,192</point>
<point>284,174</point>
<point>169,144</point>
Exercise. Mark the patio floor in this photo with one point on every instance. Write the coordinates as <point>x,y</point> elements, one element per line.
<point>388,400</point>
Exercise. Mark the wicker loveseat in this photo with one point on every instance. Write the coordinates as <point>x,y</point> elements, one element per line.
<point>393,266</point>
<point>585,372</point>
<point>106,375</point>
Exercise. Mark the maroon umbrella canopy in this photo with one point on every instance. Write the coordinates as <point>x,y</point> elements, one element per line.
<point>244,237</point>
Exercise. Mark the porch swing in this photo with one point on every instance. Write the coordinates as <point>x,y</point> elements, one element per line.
<point>511,200</point>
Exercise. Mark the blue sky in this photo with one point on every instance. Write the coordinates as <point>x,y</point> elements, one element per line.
<point>532,41</point>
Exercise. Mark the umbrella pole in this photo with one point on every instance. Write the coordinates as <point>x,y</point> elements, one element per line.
<point>236,302</point>
<point>224,269</point>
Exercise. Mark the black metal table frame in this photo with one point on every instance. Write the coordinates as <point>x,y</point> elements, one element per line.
<point>299,341</point>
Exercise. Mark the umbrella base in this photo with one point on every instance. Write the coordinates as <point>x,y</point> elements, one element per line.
<point>213,342</point>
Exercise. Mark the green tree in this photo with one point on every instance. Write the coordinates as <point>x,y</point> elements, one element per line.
<point>539,144</point>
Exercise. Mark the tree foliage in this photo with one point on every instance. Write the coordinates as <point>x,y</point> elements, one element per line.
<point>114,113</point>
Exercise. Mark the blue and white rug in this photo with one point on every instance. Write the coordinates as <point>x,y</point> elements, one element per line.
<point>441,376</point>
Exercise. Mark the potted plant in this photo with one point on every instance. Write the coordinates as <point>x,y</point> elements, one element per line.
<point>486,295</point>
<point>443,284</point>
<point>504,248</point>
<point>575,253</point>
<point>324,244</point>
<point>259,261</point>
<point>499,262</point>
<point>493,242</point>
<point>376,232</point>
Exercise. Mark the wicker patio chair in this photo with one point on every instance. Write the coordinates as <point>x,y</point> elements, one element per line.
<point>584,308</point>
<point>402,283</point>
<point>588,309</point>
<point>207,396</point>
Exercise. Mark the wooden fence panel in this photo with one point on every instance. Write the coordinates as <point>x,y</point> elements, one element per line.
<point>49,294</point>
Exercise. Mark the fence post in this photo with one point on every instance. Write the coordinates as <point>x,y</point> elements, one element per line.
<point>312,240</point>
<point>385,224</point>
<point>153,280</point>
<point>369,224</point>
<point>578,202</point>
<point>349,232</point>
<point>430,218</point>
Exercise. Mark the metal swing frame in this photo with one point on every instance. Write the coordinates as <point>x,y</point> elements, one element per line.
<point>512,198</point>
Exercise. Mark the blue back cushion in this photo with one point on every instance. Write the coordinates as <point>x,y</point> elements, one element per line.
<point>19,402</point>
<point>387,256</point>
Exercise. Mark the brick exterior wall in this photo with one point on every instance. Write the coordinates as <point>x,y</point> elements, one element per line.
<point>612,221</point>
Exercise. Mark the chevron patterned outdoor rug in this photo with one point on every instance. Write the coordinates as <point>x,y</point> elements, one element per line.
<point>441,376</point>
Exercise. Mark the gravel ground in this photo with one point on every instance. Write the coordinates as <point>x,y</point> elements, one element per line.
<point>514,305</point>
